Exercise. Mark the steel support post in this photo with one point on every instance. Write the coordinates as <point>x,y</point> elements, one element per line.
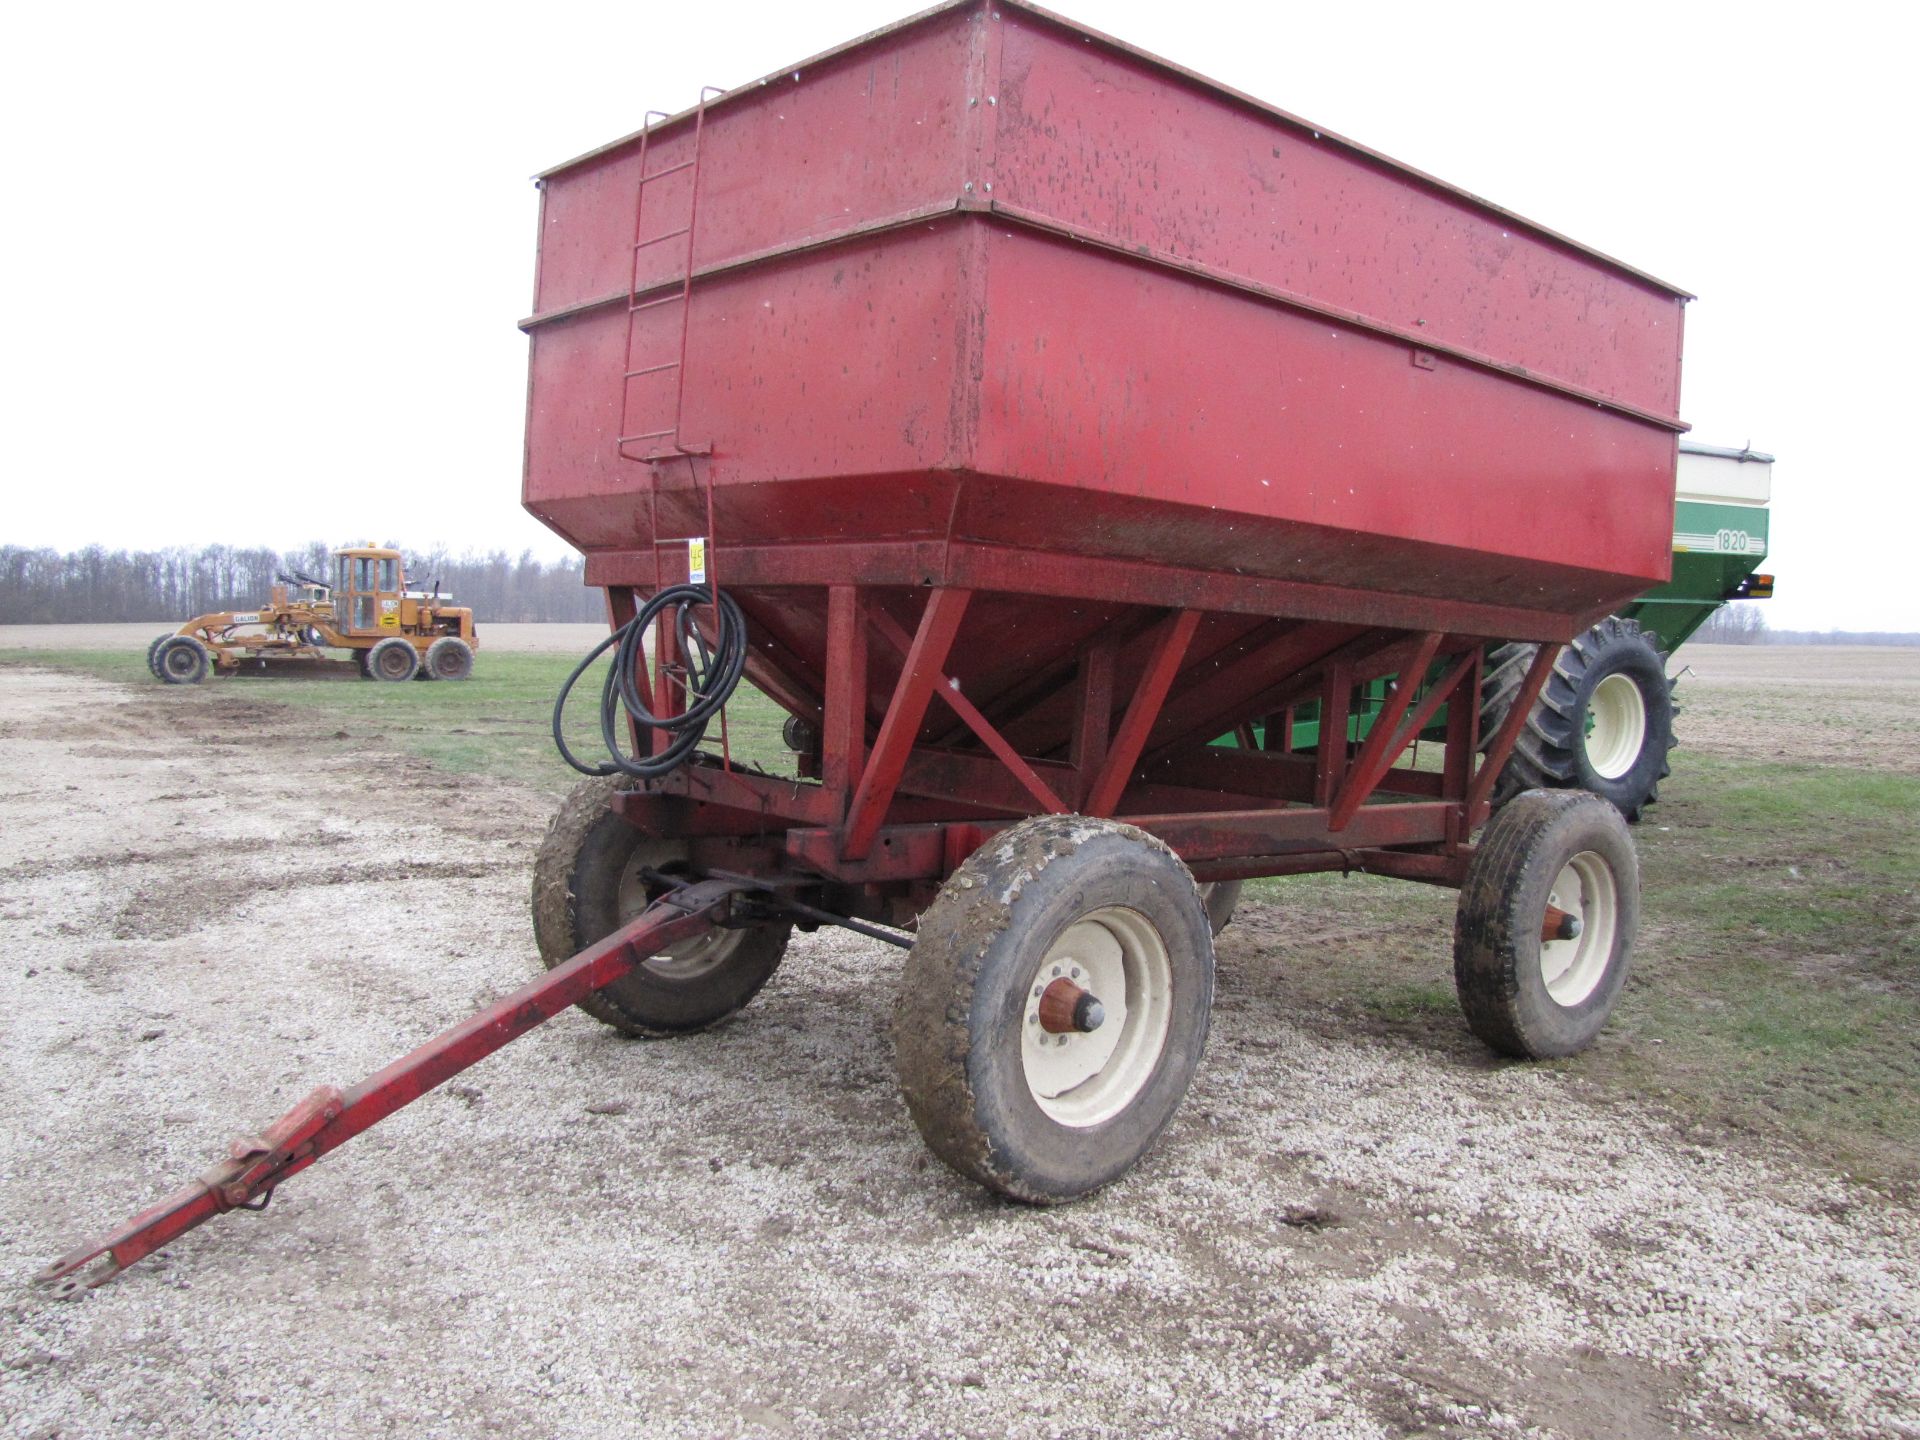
<point>926,657</point>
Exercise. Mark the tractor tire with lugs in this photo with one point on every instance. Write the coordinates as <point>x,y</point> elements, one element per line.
<point>153,653</point>
<point>1603,721</point>
<point>587,884</point>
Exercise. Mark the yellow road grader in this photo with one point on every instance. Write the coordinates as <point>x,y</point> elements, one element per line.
<point>394,633</point>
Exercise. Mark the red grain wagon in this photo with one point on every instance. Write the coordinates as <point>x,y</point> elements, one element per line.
<point>1022,412</point>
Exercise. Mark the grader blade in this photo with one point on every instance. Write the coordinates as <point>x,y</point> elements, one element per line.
<point>328,1118</point>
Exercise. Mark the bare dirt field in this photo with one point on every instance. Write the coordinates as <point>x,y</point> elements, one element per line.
<point>1349,1230</point>
<point>1814,704</point>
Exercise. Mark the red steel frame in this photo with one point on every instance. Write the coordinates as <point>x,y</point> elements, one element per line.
<point>892,816</point>
<point>894,813</point>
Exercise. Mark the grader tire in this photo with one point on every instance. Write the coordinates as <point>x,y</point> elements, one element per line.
<point>586,885</point>
<point>1046,1105</point>
<point>183,660</point>
<point>153,653</point>
<point>393,659</point>
<point>1550,858</point>
<point>1603,722</point>
<point>448,658</point>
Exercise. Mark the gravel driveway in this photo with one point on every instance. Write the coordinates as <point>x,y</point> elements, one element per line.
<point>738,1233</point>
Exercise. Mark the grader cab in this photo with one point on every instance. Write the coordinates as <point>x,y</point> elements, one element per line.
<point>393,632</point>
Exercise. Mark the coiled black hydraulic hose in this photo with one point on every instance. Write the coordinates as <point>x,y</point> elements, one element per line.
<point>712,672</point>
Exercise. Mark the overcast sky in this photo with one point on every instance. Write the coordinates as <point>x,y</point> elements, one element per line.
<point>266,261</point>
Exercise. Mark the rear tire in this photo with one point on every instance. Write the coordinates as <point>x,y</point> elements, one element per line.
<point>393,659</point>
<point>1523,994</point>
<point>1034,1113</point>
<point>449,658</point>
<point>1221,898</point>
<point>183,660</point>
<point>586,885</point>
<point>153,653</point>
<point>1603,722</point>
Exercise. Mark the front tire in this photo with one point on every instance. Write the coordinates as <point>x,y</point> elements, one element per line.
<point>587,883</point>
<point>153,653</point>
<point>1543,936</point>
<point>1603,722</point>
<point>182,660</point>
<point>1055,1007</point>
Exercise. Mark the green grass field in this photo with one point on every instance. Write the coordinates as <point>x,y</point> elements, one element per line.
<point>1777,980</point>
<point>498,723</point>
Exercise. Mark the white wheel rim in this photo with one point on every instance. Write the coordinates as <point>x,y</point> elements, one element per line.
<point>1586,891</point>
<point>1116,955</point>
<point>1616,726</point>
<point>689,959</point>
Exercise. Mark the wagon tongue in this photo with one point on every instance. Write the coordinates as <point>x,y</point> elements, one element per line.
<point>245,1181</point>
<point>329,1118</point>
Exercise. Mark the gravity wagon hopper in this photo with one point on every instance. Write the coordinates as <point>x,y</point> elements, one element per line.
<point>1022,414</point>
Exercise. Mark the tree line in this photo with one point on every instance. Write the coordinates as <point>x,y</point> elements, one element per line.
<point>101,586</point>
<point>1734,625</point>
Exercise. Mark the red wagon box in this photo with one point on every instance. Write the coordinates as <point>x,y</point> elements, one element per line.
<point>985,290</point>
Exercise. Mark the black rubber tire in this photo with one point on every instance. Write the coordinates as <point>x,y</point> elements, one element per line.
<point>360,664</point>
<point>1502,909</point>
<point>183,660</point>
<point>958,1026</point>
<point>1551,752</point>
<point>393,659</point>
<point>1221,898</point>
<point>448,658</point>
<point>153,652</point>
<point>584,888</point>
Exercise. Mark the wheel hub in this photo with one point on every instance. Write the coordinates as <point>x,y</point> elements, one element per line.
<point>1616,729</point>
<point>1065,1008</point>
<point>1576,936</point>
<point>1096,1015</point>
<point>687,959</point>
